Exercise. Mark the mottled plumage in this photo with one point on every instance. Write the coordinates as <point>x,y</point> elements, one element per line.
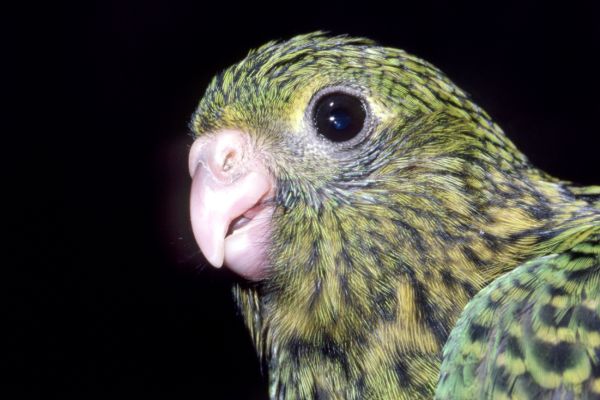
<point>533,333</point>
<point>378,246</point>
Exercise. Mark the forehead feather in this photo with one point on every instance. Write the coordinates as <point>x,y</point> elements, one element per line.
<point>273,83</point>
<point>277,71</point>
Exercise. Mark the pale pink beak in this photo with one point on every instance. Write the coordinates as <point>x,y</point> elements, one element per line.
<point>230,219</point>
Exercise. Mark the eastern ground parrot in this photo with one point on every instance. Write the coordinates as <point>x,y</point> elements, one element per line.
<point>391,241</point>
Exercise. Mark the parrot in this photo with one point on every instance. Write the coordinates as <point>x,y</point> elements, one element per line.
<point>387,239</point>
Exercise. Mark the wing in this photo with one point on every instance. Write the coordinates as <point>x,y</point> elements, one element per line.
<point>534,333</point>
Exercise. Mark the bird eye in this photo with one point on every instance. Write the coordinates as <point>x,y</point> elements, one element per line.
<point>339,116</point>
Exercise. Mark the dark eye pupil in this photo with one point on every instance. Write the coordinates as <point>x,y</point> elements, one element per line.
<point>339,116</point>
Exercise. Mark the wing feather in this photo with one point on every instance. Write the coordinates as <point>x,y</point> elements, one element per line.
<point>534,333</point>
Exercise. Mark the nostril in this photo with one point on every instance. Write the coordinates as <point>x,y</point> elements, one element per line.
<point>222,154</point>
<point>226,157</point>
<point>229,160</point>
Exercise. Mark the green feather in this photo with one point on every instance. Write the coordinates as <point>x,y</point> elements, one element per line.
<point>378,247</point>
<point>533,333</point>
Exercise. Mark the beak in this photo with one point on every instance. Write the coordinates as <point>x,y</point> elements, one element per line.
<point>230,218</point>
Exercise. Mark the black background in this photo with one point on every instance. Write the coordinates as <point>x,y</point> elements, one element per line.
<point>110,293</point>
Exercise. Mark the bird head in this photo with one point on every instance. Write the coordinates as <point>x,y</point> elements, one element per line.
<point>335,172</point>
